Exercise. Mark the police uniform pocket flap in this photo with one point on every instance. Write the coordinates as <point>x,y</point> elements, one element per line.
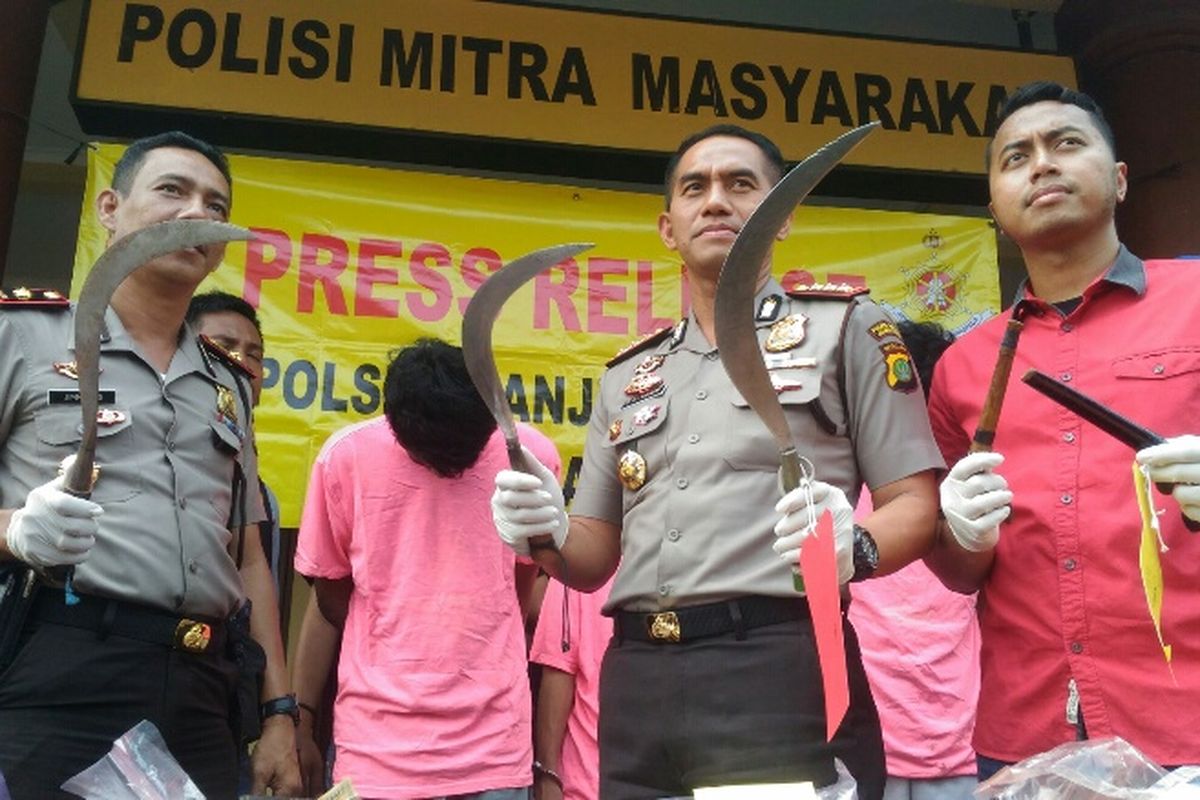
<point>63,427</point>
<point>225,437</point>
<point>793,386</point>
<point>636,421</point>
<point>1158,364</point>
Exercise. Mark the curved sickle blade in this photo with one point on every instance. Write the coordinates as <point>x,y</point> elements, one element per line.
<point>477,324</point>
<point>737,341</point>
<point>114,266</point>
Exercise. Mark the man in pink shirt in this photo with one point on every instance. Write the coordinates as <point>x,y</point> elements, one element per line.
<point>1069,649</point>
<point>433,698</point>
<point>571,637</point>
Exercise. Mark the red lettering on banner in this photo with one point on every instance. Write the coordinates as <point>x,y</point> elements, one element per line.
<point>545,291</point>
<point>598,293</point>
<point>260,267</point>
<point>845,277</point>
<point>323,269</point>
<point>365,304</point>
<point>646,321</point>
<point>422,309</point>
<point>472,276</point>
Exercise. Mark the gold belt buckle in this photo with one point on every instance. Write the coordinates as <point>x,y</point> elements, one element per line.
<point>664,626</point>
<point>192,636</point>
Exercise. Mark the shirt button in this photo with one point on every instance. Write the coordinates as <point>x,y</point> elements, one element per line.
<point>1069,564</point>
<point>1067,327</point>
<point>1076,647</point>
<point>693,438</point>
<point>1159,369</point>
<point>673,535</point>
<point>171,445</point>
<point>681,483</point>
<point>664,590</point>
<point>1066,499</point>
<point>192,568</point>
<point>183,502</point>
<point>1068,437</point>
<point>700,395</point>
<point>1065,377</point>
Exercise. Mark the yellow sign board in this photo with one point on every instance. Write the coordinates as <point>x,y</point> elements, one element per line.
<point>352,262</point>
<point>557,76</point>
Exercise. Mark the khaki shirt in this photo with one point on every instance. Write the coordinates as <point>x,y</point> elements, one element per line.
<point>166,459</point>
<point>700,528</point>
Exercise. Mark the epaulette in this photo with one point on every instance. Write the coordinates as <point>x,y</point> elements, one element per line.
<point>33,298</point>
<point>649,340</point>
<point>224,356</point>
<point>843,290</point>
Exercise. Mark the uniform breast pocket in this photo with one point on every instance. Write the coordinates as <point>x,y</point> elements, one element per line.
<point>749,445</point>
<point>1159,365</point>
<point>60,431</point>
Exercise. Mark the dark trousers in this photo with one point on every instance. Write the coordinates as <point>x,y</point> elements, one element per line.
<point>69,694</point>
<point>717,711</point>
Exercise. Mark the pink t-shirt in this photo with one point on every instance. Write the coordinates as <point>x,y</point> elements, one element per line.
<point>920,647</point>
<point>589,632</point>
<point>433,697</point>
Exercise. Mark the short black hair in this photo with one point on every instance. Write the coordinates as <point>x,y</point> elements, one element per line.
<point>433,408</point>
<point>768,148</point>
<point>1042,91</point>
<point>926,341</point>
<point>215,302</point>
<point>131,160</point>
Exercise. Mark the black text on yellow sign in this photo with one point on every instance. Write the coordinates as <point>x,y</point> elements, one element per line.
<point>575,77</point>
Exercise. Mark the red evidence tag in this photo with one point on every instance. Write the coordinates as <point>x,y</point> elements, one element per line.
<point>818,563</point>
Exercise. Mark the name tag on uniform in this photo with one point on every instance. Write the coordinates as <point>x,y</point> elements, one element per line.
<point>70,397</point>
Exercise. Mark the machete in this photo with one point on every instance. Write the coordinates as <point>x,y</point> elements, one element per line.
<point>116,263</point>
<point>477,323</point>
<point>737,339</point>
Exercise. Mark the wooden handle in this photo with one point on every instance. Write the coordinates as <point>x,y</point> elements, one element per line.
<point>985,433</point>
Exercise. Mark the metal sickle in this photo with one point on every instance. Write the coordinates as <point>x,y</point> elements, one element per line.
<point>737,340</point>
<point>478,319</point>
<point>116,263</point>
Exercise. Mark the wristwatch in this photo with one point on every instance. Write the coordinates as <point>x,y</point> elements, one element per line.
<point>281,705</point>
<point>866,554</point>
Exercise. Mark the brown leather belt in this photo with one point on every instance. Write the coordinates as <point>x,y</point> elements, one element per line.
<point>132,621</point>
<point>711,619</point>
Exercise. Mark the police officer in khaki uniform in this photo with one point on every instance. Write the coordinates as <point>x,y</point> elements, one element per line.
<point>712,675</point>
<point>161,566</point>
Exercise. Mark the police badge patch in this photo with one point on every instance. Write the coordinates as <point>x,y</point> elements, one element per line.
<point>901,376</point>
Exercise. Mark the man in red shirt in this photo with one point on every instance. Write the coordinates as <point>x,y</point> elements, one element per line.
<point>1069,648</point>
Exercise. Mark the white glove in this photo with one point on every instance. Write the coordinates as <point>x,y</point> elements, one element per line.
<point>1177,461</point>
<point>793,528</point>
<point>975,500</point>
<point>53,527</point>
<point>526,506</point>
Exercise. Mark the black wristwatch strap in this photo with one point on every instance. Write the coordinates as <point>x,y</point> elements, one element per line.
<point>281,705</point>
<point>866,554</point>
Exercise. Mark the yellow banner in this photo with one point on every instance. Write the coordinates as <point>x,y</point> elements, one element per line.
<point>352,262</point>
<point>563,76</point>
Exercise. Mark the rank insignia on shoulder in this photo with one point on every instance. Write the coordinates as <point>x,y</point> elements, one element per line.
<point>22,297</point>
<point>786,334</point>
<point>901,376</point>
<point>649,340</point>
<point>227,357</point>
<point>828,289</point>
<point>885,327</point>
